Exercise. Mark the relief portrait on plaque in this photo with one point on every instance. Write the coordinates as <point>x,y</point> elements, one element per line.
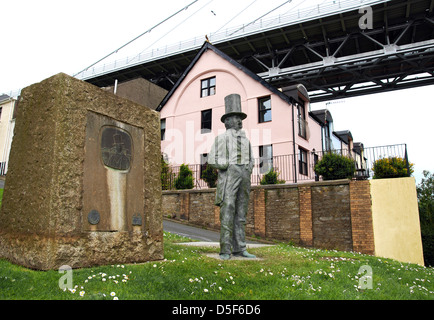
<point>116,147</point>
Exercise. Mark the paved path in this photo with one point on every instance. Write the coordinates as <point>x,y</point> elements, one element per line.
<point>191,232</point>
<point>195,233</point>
<point>207,238</point>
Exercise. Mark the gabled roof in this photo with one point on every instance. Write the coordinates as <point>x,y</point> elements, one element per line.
<point>208,46</point>
<point>358,147</point>
<point>322,116</point>
<point>296,89</point>
<point>344,135</point>
<point>4,97</point>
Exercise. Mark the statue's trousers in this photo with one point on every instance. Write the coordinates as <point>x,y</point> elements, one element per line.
<point>233,209</point>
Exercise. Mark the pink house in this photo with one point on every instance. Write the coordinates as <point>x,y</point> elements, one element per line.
<point>282,132</point>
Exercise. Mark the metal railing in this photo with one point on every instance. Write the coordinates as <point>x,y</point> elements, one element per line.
<point>373,154</point>
<point>262,25</point>
<point>300,168</point>
<point>3,168</point>
<point>168,181</point>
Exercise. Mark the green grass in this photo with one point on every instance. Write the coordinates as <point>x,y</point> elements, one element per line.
<point>286,272</point>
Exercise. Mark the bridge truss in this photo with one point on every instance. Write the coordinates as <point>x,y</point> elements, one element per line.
<point>396,53</point>
<point>330,54</point>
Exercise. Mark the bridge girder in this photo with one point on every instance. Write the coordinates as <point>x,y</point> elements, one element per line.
<point>330,55</point>
<point>331,71</point>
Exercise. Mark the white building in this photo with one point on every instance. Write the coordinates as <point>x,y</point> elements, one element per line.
<point>7,125</point>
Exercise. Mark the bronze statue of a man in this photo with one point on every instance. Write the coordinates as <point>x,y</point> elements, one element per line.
<point>232,155</point>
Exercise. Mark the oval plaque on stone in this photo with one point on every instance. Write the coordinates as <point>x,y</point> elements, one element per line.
<point>93,217</point>
<point>116,147</point>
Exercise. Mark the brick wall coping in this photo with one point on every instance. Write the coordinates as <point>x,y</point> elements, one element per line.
<point>269,186</point>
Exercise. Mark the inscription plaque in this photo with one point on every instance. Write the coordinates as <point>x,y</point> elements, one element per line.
<point>116,148</point>
<point>137,220</point>
<point>93,217</point>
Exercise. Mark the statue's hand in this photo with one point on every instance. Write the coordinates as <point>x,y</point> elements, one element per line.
<point>219,166</point>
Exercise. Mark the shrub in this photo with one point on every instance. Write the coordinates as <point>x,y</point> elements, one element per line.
<point>210,175</point>
<point>334,166</point>
<point>184,179</point>
<point>272,177</point>
<point>166,175</point>
<point>428,247</point>
<point>425,197</point>
<point>392,167</point>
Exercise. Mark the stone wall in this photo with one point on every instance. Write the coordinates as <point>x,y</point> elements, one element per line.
<point>282,218</point>
<point>329,215</point>
<point>195,206</point>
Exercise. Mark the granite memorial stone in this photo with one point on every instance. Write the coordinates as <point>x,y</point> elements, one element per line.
<point>83,186</point>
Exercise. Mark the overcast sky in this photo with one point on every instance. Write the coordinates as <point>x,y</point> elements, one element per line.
<point>42,38</point>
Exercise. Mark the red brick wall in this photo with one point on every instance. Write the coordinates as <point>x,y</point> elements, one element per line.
<point>306,230</point>
<point>361,217</point>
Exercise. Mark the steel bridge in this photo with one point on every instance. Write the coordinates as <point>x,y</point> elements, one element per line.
<point>336,50</point>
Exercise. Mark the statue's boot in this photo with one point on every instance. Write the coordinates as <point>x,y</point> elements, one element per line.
<point>244,254</point>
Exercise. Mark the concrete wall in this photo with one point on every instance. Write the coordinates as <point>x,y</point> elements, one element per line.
<point>328,215</point>
<point>396,220</point>
<point>140,91</point>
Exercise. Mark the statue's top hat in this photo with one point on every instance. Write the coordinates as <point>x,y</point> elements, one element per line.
<point>233,107</point>
<point>117,139</point>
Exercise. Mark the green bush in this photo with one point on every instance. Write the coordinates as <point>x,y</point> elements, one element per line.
<point>334,166</point>
<point>210,175</point>
<point>392,167</point>
<point>184,179</point>
<point>428,248</point>
<point>166,175</point>
<point>425,197</point>
<point>272,177</point>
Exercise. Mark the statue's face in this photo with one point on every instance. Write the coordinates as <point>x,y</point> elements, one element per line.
<point>234,122</point>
